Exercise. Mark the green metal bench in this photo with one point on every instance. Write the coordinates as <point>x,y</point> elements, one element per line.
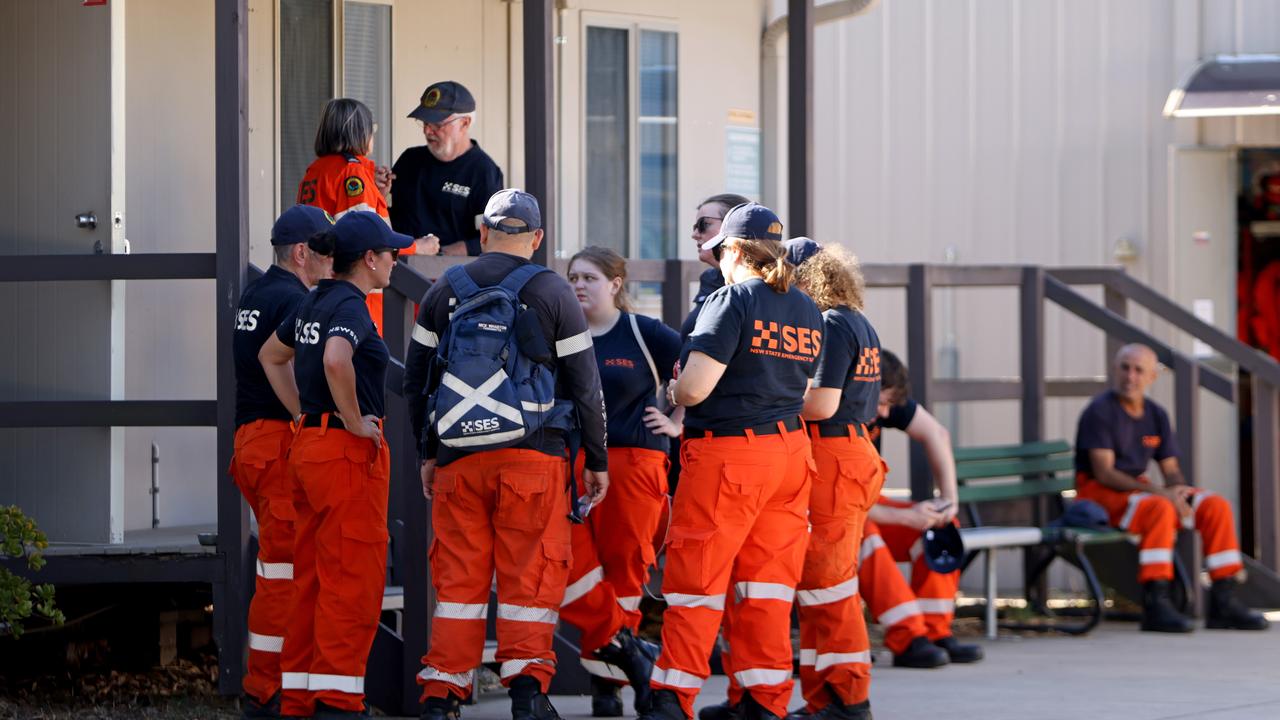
<point>1028,472</point>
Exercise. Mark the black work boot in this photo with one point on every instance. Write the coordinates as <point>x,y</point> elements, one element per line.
<point>528,702</point>
<point>958,652</point>
<point>1158,612</point>
<point>664,705</point>
<point>719,711</point>
<point>836,710</point>
<point>635,657</point>
<point>325,712</point>
<point>1228,613</point>
<point>251,709</point>
<point>606,698</point>
<point>921,654</point>
<point>752,710</point>
<point>445,708</point>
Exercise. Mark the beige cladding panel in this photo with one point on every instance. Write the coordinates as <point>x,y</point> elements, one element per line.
<point>1010,132</point>
<point>170,176</point>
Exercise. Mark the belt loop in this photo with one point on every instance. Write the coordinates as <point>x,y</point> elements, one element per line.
<point>751,435</point>
<point>324,423</point>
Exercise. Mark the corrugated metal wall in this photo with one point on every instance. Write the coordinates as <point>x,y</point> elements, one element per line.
<point>1010,131</point>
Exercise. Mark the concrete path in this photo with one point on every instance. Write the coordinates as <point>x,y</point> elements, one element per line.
<point>1115,672</point>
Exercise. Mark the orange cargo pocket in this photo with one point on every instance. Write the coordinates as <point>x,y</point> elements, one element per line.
<point>689,567</point>
<point>857,484</point>
<point>557,557</point>
<point>739,498</point>
<point>831,554</point>
<point>364,548</point>
<point>524,500</point>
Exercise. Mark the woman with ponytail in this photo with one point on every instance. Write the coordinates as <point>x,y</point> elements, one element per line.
<point>739,520</point>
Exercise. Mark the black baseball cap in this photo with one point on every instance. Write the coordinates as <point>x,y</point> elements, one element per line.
<point>512,204</point>
<point>943,549</point>
<point>361,230</point>
<point>298,224</point>
<point>441,100</point>
<point>800,249</point>
<point>748,221</point>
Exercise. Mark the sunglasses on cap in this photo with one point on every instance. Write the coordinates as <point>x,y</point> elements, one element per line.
<point>395,252</point>
<point>703,224</point>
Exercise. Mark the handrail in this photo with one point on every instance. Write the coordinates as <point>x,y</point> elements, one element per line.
<point>1113,324</point>
<point>1255,361</point>
<point>143,266</point>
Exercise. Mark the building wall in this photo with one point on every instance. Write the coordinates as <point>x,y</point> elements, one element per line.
<point>170,169</point>
<point>170,180</point>
<point>1010,131</point>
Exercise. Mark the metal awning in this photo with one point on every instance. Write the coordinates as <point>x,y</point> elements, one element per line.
<point>1228,85</point>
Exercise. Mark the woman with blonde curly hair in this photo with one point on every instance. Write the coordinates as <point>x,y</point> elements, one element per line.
<point>835,658</point>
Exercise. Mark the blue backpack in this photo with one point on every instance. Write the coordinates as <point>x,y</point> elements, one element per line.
<point>497,385</point>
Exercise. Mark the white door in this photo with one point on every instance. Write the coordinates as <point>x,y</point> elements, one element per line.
<point>1203,247</point>
<point>59,134</point>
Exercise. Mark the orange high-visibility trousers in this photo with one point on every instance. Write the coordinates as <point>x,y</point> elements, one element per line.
<point>1155,520</point>
<point>739,520</point>
<point>613,551</point>
<point>259,469</point>
<point>835,653</point>
<point>924,608</point>
<point>503,511</point>
<point>339,559</point>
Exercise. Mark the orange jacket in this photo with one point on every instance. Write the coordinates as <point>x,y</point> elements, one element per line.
<point>338,183</point>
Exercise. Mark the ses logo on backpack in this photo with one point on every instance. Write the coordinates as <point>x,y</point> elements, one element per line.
<point>496,386</point>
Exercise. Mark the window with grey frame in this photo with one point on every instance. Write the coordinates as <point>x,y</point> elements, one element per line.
<point>631,141</point>
<point>307,35</point>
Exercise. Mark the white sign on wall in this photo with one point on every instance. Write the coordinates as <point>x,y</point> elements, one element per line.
<point>742,161</point>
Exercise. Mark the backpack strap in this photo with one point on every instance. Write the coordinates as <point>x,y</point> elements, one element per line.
<point>657,379</point>
<point>462,284</point>
<point>518,278</point>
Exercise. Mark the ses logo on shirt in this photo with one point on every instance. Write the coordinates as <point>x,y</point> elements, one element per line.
<point>785,341</point>
<point>454,188</point>
<point>1151,441</point>
<point>868,367</point>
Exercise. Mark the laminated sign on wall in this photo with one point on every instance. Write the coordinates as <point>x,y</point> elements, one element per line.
<point>742,161</point>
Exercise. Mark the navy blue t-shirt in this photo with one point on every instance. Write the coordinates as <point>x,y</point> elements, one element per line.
<point>335,309</point>
<point>443,199</point>
<point>900,416</point>
<point>266,302</point>
<point>851,362</point>
<point>710,281</point>
<point>770,342</point>
<point>628,381</point>
<point>1104,425</point>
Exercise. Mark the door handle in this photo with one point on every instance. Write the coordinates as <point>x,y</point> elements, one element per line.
<point>88,220</point>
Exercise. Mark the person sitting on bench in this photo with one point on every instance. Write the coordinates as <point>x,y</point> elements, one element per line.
<point>1120,432</point>
<point>916,617</point>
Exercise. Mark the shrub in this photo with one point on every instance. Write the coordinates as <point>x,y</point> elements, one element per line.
<point>19,599</point>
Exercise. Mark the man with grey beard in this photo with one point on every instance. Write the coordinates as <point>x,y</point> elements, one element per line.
<point>440,189</point>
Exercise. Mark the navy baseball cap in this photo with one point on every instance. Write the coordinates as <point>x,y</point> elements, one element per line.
<point>800,249</point>
<point>943,549</point>
<point>361,230</point>
<point>441,100</point>
<point>512,204</point>
<point>298,224</point>
<point>748,221</point>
